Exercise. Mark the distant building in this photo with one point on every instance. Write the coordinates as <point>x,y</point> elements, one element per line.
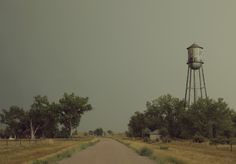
<point>154,135</point>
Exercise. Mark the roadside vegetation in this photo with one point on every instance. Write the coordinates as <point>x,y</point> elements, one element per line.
<point>203,133</point>
<point>14,153</point>
<point>44,119</point>
<point>100,132</point>
<point>25,133</point>
<point>180,151</point>
<point>66,153</point>
<point>206,120</point>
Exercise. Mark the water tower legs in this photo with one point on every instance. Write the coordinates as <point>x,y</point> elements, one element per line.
<point>191,73</point>
<point>186,88</point>
<point>204,82</point>
<point>200,79</point>
<point>194,87</point>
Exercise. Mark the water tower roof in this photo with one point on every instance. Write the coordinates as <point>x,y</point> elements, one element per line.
<point>194,45</point>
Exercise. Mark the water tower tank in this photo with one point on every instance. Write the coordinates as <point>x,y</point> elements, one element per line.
<point>195,60</point>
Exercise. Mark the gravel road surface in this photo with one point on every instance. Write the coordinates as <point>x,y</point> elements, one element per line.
<point>107,151</point>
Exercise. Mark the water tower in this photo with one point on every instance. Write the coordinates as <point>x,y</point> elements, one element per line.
<point>195,75</point>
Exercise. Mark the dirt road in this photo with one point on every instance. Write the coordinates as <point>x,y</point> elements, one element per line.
<point>107,151</point>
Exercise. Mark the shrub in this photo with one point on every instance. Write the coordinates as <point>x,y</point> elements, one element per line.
<point>219,140</point>
<point>163,132</point>
<point>127,144</point>
<point>40,162</point>
<point>146,139</point>
<point>164,147</point>
<point>145,151</point>
<point>173,160</point>
<point>65,154</point>
<point>223,140</point>
<point>198,138</point>
<point>165,139</point>
<point>83,146</point>
<point>232,141</point>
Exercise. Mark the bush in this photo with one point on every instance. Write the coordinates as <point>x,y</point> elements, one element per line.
<point>40,162</point>
<point>65,154</point>
<point>128,134</point>
<point>63,133</point>
<point>127,144</point>
<point>164,147</point>
<point>232,141</point>
<point>145,151</point>
<point>83,146</point>
<point>146,139</point>
<point>98,132</point>
<point>163,132</point>
<point>219,140</point>
<point>165,139</point>
<point>173,160</point>
<point>198,139</point>
<point>185,135</point>
<point>223,140</point>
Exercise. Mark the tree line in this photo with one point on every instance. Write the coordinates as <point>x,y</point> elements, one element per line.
<point>99,132</point>
<point>44,119</point>
<point>206,118</point>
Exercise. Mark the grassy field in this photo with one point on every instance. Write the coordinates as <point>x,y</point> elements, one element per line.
<point>16,152</point>
<point>185,152</point>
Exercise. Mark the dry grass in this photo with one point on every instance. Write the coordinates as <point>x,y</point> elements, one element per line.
<point>188,152</point>
<point>16,153</point>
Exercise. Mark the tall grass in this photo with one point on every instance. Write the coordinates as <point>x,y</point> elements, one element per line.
<point>173,160</point>
<point>40,162</point>
<point>65,154</point>
<point>145,151</point>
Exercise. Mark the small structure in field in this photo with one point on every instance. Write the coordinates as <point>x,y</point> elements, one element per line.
<point>154,135</point>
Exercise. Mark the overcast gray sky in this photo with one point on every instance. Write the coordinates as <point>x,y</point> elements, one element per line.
<point>118,53</point>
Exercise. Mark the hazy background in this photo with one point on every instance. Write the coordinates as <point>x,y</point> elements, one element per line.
<point>118,53</point>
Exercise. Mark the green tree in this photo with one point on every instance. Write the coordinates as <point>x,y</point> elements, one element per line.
<point>137,124</point>
<point>206,118</point>
<point>110,132</point>
<point>38,116</point>
<point>14,119</point>
<point>51,121</point>
<point>71,109</point>
<point>98,132</point>
<point>211,118</point>
<point>165,112</point>
<point>90,133</point>
<point>233,118</point>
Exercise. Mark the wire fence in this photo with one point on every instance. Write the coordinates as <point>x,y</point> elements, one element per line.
<point>27,142</point>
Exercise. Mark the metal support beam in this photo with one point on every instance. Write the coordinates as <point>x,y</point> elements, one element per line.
<point>189,91</point>
<point>186,89</point>
<point>200,80</point>
<point>204,83</point>
<point>194,88</point>
<point>193,84</point>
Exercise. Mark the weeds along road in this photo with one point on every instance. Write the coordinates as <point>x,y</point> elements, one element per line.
<point>107,151</point>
